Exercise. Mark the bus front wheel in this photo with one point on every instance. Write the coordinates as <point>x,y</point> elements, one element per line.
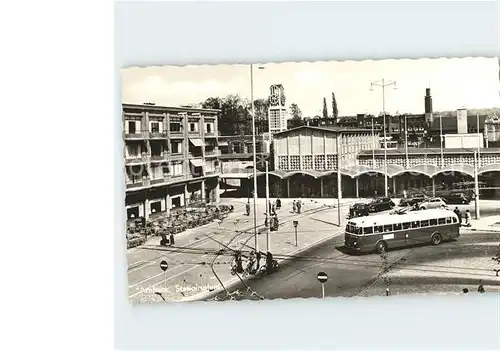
<point>381,247</point>
<point>436,239</point>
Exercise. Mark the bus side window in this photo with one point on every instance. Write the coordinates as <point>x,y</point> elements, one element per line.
<point>448,219</point>
<point>442,221</point>
<point>368,230</point>
<point>455,220</point>
<point>397,226</point>
<point>378,229</point>
<point>434,222</point>
<point>388,228</point>
<point>406,225</point>
<point>415,224</point>
<point>424,223</point>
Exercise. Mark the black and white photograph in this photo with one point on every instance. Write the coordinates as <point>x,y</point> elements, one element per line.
<point>312,179</point>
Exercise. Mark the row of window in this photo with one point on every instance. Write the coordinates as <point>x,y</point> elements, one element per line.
<point>400,226</point>
<point>307,162</point>
<point>134,127</point>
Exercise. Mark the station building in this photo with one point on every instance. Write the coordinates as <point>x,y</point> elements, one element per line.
<point>308,159</point>
<point>170,154</point>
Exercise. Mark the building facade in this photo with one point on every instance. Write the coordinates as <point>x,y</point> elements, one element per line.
<point>171,155</point>
<point>308,158</point>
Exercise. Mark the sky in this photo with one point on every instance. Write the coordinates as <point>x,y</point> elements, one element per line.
<point>455,83</point>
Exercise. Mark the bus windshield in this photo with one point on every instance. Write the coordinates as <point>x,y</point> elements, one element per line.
<point>353,229</point>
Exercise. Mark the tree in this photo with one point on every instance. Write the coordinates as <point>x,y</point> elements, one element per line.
<point>296,114</point>
<point>325,109</point>
<point>335,111</point>
<point>235,117</point>
<point>261,118</point>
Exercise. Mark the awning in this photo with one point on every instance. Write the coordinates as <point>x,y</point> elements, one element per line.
<point>197,163</point>
<point>197,142</point>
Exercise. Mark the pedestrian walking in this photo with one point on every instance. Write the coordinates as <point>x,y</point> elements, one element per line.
<point>294,206</point>
<point>404,194</point>
<point>278,203</point>
<point>247,208</point>
<point>467,218</point>
<point>457,212</point>
<point>299,205</point>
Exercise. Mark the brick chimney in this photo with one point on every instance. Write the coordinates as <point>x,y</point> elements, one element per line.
<point>428,106</point>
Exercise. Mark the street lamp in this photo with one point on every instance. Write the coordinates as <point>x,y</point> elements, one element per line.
<point>254,161</point>
<point>383,84</point>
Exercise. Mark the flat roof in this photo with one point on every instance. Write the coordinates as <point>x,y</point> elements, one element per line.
<point>333,129</point>
<point>422,151</point>
<point>167,108</point>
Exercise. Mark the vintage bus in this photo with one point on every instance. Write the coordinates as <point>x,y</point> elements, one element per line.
<point>388,231</point>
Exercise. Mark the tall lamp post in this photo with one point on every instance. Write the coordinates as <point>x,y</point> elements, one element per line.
<point>254,162</point>
<point>383,84</point>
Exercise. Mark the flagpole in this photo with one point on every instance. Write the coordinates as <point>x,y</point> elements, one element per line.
<point>441,137</point>
<point>406,144</point>
<point>254,164</point>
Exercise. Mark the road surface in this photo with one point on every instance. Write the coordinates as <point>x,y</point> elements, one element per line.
<point>188,262</point>
<point>449,267</point>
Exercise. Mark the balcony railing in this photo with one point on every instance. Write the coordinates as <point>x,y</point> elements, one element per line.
<point>158,181</point>
<point>195,155</point>
<point>212,153</point>
<point>134,185</point>
<point>157,135</point>
<point>137,159</point>
<point>159,158</point>
<point>133,136</point>
<point>176,134</point>
<point>175,157</point>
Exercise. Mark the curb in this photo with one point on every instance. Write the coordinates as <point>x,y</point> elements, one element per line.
<point>235,281</point>
<point>482,230</point>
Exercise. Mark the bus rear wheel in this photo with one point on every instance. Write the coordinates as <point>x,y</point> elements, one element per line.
<point>436,239</point>
<point>381,247</point>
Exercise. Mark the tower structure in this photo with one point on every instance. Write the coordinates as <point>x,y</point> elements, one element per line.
<point>428,106</point>
<point>277,113</point>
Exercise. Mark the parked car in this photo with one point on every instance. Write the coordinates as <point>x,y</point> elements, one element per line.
<point>381,204</point>
<point>358,209</point>
<point>435,202</point>
<point>456,198</point>
<point>412,200</point>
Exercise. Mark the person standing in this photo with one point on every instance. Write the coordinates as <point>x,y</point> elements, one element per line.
<point>457,212</point>
<point>278,203</point>
<point>467,218</point>
<point>294,206</point>
<point>247,208</point>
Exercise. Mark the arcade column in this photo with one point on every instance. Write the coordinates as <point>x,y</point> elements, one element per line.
<point>433,186</point>
<point>147,209</point>
<point>394,185</point>
<point>288,187</point>
<point>186,195</point>
<point>321,187</point>
<point>216,191</point>
<point>168,203</point>
<point>203,192</point>
<point>357,186</point>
